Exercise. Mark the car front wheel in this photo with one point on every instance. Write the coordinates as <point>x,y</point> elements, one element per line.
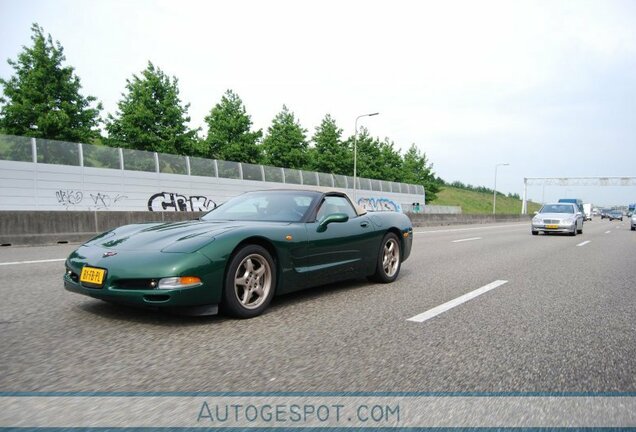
<point>249,282</point>
<point>389,260</point>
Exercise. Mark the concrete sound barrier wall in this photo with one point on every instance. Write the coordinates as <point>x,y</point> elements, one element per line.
<point>50,227</point>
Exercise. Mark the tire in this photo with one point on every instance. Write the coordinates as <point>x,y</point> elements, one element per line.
<point>250,282</point>
<point>535,232</point>
<point>389,260</point>
<point>633,228</point>
<point>581,230</point>
<point>573,233</point>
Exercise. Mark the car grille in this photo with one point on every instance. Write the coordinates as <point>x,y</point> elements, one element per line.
<point>551,221</point>
<point>135,284</point>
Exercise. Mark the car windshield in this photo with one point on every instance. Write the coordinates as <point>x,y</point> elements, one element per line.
<point>557,208</point>
<point>273,206</point>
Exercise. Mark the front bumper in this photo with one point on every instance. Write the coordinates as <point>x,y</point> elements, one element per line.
<point>155,298</point>
<point>128,275</point>
<point>556,228</point>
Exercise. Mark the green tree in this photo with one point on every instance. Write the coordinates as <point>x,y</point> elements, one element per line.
<point>286,143</point>
<point>391,162</point>
<point>330,154</point>
<point>229,132</point>
<point>417,170</point>
<point>43,98</point>
<point>151,116</point>
<point>369,155</point>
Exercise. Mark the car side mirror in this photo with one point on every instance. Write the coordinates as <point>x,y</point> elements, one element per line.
<point>332,218</point>
<point>536,213</point>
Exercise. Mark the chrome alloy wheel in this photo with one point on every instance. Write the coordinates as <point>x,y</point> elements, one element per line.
<point>391,257</point>
<point>253,281</point>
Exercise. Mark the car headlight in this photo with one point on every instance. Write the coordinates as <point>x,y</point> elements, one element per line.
<point>569,221</point>
<point>179,282</point>
<point>537,220</point>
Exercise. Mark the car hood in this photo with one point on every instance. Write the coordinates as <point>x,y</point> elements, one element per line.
<point>555,215</point>
<point>185,237</point>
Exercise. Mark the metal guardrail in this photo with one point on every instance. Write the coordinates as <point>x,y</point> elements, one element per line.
<point>25,149</point>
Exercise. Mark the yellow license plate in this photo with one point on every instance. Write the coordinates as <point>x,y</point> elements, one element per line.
<point>92,275</point>
<point>552,226</point>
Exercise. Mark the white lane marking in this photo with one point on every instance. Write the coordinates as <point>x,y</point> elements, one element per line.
<point>456,302</point>
<point>467,239</point>
<point>32,262</point>
<point>518,225</point>
<point>607,232</point>
<point>584,243</point>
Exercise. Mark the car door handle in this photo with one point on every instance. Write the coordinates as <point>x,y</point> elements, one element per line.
<point>364,224</point>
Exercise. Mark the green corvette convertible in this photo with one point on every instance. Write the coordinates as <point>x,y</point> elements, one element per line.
<point>240,254</point>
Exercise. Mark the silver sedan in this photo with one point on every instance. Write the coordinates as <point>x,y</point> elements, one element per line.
<point>559,218</point>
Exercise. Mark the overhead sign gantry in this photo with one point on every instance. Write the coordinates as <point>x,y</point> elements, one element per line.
<point>572,181</point>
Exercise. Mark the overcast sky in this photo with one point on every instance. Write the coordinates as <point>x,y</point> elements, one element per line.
<point>546,86</point>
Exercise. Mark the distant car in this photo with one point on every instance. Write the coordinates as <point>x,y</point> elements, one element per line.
<point>604,213</point>
<point>558,218</point>
<point>614,215</point>
<point>633,222</point>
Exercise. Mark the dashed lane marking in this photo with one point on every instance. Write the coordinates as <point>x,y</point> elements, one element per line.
<point>456,302</point>
<point>466,239</point>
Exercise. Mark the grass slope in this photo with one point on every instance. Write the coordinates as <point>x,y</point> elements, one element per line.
<point>473,202</point>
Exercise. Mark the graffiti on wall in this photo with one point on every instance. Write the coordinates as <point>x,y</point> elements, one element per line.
<point>104,201</point>
<point>379,204</point>
<point>72,198</point>
<point>69,197</point>
<point>170,201</point>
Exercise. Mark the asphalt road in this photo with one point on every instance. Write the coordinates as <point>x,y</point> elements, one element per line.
<point>562,322</point>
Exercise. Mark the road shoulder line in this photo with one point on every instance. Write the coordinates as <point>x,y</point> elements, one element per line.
<point>32,262</point>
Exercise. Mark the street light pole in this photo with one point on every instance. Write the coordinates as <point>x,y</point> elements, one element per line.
<point>494,194</point>
<point>355,153</point>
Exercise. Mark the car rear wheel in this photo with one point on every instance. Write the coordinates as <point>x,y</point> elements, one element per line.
<point>389,260</point>
<point>249,282</point>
